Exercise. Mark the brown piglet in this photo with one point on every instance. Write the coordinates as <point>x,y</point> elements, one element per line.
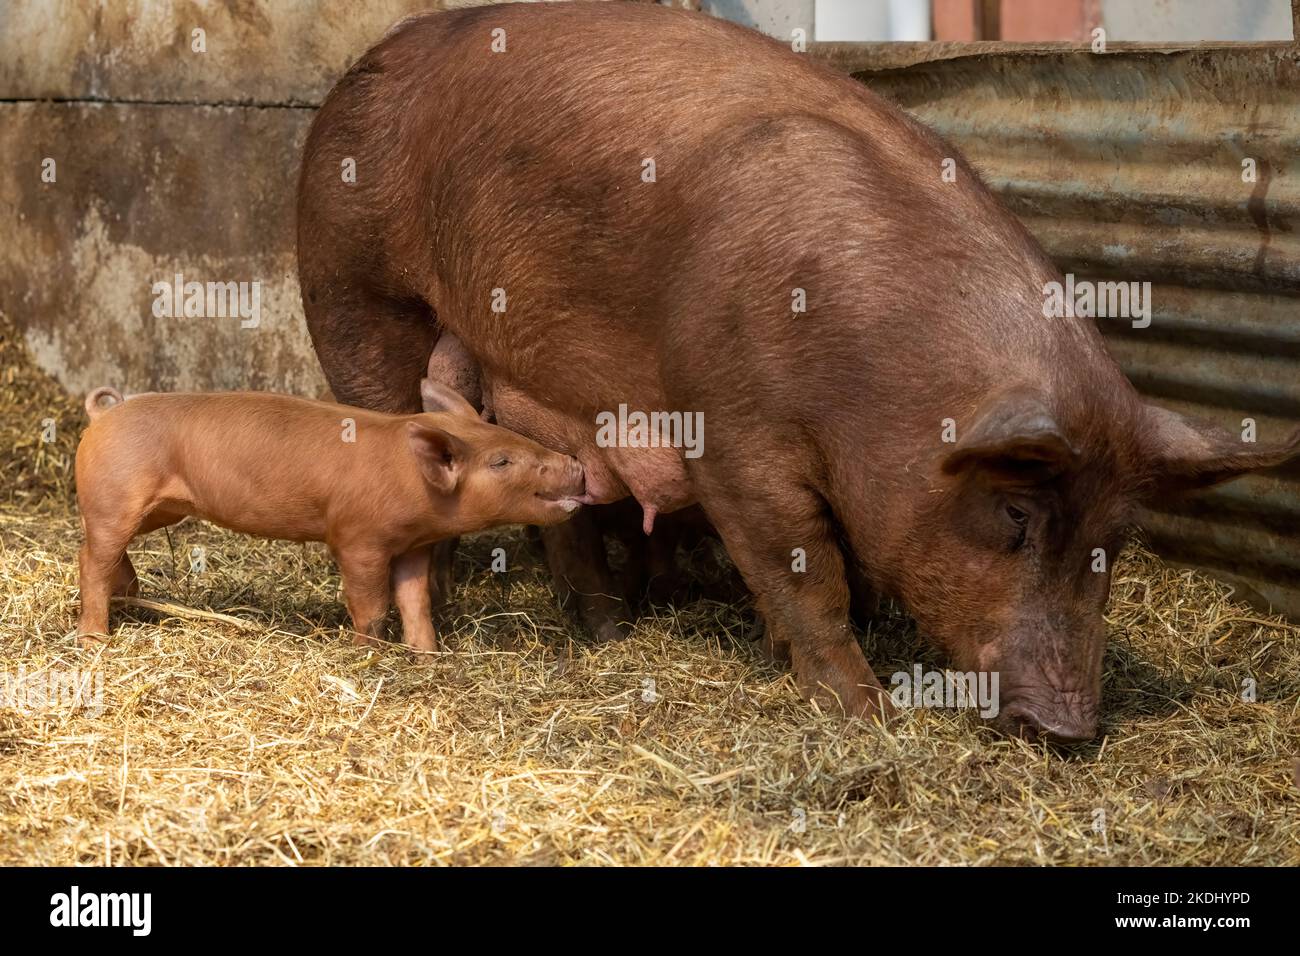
<point>377,488</point>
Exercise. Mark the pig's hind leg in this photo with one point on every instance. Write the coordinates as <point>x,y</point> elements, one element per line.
<point>103,571</point>
<point>372,347</point>
<point>452,365</point>
<point>98,566</point>
<point>575,554</point>
<point>125,581</point>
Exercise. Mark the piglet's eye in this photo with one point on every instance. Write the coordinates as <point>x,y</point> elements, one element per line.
<point>499,463</point>
<point>1017,515</point>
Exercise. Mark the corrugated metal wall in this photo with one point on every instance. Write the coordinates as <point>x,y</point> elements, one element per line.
<point>1128,165</point>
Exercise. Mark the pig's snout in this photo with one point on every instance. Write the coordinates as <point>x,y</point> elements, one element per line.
<point>565,473</point>
<point>1050,687</point>
<point>561,479</point>
<point>1052,724</point>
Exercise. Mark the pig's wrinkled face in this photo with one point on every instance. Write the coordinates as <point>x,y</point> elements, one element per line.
<point>1009,551</point>
<point>494,475</point>
<point>1011,576</point>
<point>1009,561</point>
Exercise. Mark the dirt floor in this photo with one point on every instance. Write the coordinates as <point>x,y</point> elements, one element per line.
<point>260,735</point>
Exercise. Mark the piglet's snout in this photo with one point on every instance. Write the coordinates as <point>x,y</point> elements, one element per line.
<point>561,477</point>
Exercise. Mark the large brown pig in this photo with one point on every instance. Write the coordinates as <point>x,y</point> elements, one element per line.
<point>616,204</point>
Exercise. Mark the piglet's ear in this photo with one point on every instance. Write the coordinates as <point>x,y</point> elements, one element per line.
<point>436,397</point>
<point>1183,454</point>
<point>439,454</point>
<point>1014,438</point>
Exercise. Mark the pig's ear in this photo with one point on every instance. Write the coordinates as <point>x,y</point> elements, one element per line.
<point>1183,454</point>
<point>436,397</point>
<point>439,454</point>
<point>1014,438</point>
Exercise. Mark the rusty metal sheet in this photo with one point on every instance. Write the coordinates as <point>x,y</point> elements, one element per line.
<point>1128,165</point>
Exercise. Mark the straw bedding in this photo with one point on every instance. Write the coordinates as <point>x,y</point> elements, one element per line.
<point>236,723</point>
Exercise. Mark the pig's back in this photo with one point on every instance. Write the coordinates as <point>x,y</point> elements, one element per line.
<point>512,192</point>
<point>259,463</point>
<point>517,178</point>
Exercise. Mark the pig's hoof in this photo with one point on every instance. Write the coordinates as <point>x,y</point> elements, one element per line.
<point>868,702</point>
<point>89,642</point>
<point>776,652</point>
<point>871,704</point>
<point>607,631</point>
<point>422,646</point>
<point>366,640</point>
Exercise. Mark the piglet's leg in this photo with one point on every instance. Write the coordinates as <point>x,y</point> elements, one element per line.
<point>411,592</point>
<point>366,590</point>
<point>96,583</point>
<point>125,582</point>
<point>105,569</point>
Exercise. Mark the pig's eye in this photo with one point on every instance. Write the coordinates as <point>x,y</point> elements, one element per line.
<point>1021,519</point>
<point>499,462</point>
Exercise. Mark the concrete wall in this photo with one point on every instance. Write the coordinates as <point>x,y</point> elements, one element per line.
<point>776,18</point>
<point>132,156</point>
<point>165,160</point>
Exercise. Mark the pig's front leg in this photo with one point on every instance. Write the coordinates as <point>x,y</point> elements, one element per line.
<point>575,553</point>
<point>411,592</point>
<point>780,536</point>
<point>366,589</point>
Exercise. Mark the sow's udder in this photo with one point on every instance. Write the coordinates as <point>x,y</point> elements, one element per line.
<point>656,477</point>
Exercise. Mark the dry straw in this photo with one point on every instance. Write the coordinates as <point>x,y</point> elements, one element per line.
<point>253,732</point>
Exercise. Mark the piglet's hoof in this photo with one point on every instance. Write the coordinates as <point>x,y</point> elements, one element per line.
<point>422,646</point>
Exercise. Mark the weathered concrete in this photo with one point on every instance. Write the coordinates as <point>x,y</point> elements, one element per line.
<point>148,186</point>
<point>167,160</point>
<point>287,51</point>
<point>143,193</point>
